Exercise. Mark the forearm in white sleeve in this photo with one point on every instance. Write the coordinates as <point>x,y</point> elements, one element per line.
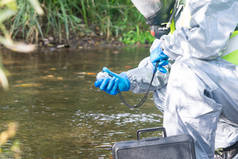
<point>141,76</point>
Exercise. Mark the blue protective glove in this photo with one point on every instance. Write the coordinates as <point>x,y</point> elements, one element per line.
<point>158,56</point>
<point>114,83</point>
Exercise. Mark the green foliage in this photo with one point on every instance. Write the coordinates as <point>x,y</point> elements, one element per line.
<point>63,19</point>
<point>8,8</point>
<point>114,17</point>
<point>26,23</point>
<point>137,36</point>
<point>59,16</point>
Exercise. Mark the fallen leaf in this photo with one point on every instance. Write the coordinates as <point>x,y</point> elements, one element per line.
<point>28,85</point>
<point>91,73</point>
<point>81,73</point>
<point>52,69</point>
<point>60,78</point>
<point>128,67</point>
<point>50,76</point>
<point>19,81</point>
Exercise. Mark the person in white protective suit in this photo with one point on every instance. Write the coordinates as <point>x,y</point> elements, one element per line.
<point>198,90</point>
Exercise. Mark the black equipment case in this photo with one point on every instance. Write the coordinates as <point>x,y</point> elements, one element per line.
<point>173,147</point>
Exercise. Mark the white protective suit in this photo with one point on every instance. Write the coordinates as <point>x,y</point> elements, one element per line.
<point>199,95</point>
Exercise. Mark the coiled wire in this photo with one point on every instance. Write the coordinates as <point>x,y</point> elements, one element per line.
<point>144,98</point>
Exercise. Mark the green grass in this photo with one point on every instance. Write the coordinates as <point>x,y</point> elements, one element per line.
<point>26,23</point>
<point>65,19</point>
<point>132,37</point>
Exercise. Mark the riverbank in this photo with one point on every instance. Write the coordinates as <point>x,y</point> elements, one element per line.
<point>79,24</point>
<point>85,42</point>
<point>80,43</point>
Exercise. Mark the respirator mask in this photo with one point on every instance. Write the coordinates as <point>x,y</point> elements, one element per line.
<point>158,14</point>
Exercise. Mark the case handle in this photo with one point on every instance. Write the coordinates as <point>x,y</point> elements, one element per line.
<point>150,130</point>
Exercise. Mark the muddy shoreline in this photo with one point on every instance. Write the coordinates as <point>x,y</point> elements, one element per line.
<point>79,43</point>
<point>87,42</point>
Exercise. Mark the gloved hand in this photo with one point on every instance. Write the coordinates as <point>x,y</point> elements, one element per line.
<point>158,56</point>
<point>114,83</point>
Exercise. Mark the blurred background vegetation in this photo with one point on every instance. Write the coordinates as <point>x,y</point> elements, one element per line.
<point>67,19</point>
<point>9,147</point>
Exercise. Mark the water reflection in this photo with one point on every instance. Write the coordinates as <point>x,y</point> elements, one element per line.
<point>60,113</point>
<point>118,119</point>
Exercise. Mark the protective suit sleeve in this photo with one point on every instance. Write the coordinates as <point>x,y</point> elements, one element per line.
<point>205,32</point>
<point>140,77</point>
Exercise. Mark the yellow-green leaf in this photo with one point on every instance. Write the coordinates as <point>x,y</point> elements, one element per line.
<point>6,14</point>
<point>9,3</point>
<point>36,5</point>
<point>17,46</point>
<point>12,5</point>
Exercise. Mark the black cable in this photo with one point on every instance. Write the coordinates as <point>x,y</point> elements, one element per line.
<point>143,99</point>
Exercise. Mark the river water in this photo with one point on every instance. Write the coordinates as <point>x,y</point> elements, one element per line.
<point>61,115</point>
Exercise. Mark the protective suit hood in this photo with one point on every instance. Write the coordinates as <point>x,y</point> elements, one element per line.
<point>156,12</point>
